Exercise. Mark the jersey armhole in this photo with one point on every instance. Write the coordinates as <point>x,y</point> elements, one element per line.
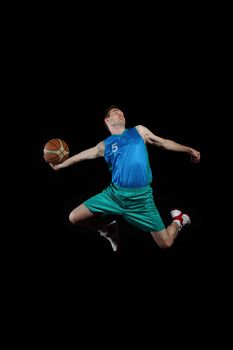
<point>104,141</point>
<point>135,127</point>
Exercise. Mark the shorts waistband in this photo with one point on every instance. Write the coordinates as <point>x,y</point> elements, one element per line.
<point>130,189</point>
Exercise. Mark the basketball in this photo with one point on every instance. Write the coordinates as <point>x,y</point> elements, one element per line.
<point>56,151</point>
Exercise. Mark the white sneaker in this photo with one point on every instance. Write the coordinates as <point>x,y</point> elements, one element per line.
<point>180,218</point>
<point>112,234</point>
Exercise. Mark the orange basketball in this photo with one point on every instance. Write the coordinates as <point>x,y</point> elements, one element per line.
<point>56,151</point>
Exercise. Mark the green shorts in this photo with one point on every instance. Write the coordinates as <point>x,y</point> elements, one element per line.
<point>136,205</point>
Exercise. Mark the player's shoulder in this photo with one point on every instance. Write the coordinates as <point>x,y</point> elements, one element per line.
<point>141,129</point>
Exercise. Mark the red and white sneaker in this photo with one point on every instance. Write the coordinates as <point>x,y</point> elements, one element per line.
<point>180,218</point>
<point>112,234</point>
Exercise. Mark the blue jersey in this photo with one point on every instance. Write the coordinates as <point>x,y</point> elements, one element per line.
<point>127,158</point>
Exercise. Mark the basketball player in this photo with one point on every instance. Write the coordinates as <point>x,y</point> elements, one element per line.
<point>130,192</point>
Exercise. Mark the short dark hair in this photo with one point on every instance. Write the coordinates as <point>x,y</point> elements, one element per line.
<point>107,110</point>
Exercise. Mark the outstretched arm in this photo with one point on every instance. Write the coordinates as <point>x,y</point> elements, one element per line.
<point>166,144</point>
<point>90,153</point>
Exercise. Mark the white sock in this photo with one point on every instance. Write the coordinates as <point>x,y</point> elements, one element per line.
<point>178,223</point>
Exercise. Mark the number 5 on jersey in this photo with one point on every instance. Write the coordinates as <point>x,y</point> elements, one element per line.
<point>114,147</point>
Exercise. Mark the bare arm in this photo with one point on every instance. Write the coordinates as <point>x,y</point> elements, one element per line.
<point>166,144</point>
<point>90,153</point>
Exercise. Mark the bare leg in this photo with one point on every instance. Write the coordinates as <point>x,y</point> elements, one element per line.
<point>165,238</point>
<point>82,216</point>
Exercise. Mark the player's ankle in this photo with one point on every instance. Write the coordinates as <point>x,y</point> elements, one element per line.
<point>178,224</point>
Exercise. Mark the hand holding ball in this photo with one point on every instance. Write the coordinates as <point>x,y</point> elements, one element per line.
<point>56,151</point>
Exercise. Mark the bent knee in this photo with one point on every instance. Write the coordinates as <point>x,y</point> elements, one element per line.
<point>73,218</point>
<point>79,214</point>
<point>163,239</point>
<point>165,244</point>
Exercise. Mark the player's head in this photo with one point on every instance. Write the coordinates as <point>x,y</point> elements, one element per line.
<point>114,117</point>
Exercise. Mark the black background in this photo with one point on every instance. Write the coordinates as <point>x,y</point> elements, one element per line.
<point>160,69</point>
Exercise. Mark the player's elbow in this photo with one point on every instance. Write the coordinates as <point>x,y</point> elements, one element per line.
<point>161,144</point>
<point>166,144</point>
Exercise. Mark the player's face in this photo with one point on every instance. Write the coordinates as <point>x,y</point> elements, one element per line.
<point>116,116</point>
